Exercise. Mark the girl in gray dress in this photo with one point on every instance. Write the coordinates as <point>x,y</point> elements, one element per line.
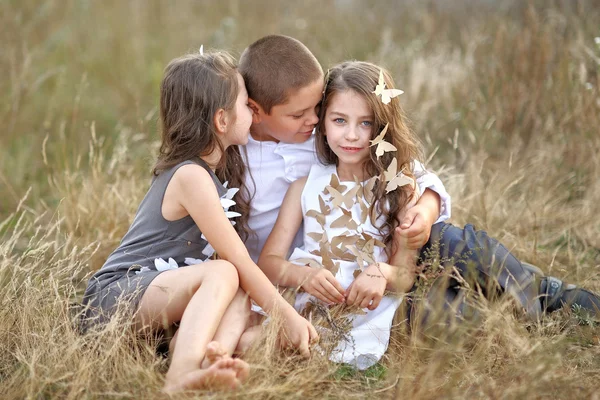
<point>162,272</point>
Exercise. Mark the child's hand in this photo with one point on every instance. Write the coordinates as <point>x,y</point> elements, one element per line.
<point>415,228</point>
<point>366,291</point>
<point>298,333</point>
<point>322,284</point>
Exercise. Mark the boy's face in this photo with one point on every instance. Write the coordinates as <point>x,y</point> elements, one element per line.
<point>292,121</point>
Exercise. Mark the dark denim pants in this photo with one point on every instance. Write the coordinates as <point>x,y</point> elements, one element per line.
<point>483,260</point>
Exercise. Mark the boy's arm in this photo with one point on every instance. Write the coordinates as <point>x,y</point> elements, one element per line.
<point>318,282</point>
<point>429,180</point>
<point>433,206</point>
<point>415,226</point>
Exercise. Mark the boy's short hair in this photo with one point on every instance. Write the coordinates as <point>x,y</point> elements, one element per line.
<point>275,65</point>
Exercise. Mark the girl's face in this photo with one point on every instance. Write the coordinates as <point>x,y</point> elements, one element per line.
<point>238,132</point>
<point>348,128</point>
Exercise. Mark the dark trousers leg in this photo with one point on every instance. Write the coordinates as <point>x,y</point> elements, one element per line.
<point>481,258</point>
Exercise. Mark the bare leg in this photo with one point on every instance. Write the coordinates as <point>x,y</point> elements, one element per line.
<point>232,326</point>
<point>248,337</point>
<point>196,296</point>
<point>215,352</point>
<point>223,372</point>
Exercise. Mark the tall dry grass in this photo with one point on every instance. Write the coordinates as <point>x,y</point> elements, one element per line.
<point>506,96</point>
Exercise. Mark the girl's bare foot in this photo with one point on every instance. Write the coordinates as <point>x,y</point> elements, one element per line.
<point>220,375</point>
<point>215,352</point>
<point>223,372</point>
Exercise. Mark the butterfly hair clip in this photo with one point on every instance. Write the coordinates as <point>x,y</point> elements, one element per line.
<point>386,94</point>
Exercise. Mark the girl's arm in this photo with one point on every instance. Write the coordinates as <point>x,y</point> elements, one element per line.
<point>367,290</point>
<point>319,282</point>
<point>397,275</point>
<point>197,194</point>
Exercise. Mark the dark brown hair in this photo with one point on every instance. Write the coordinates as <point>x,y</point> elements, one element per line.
<point>193,89</point>
<point>362,78</point>
<point>275,66</point>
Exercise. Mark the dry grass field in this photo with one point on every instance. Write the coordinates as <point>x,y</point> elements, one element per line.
<point>504,94</point>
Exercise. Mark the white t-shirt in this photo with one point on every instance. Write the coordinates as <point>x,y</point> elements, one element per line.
<point>272,167</point>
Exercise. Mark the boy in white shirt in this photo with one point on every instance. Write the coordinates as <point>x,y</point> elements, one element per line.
<point>285,86</point>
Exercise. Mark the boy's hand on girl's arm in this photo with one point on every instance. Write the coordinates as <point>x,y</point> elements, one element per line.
<point>366,291</point>
<point>414,230</point>
<point>415,227</point>
<point>321,283</point>
<point>297,332</point>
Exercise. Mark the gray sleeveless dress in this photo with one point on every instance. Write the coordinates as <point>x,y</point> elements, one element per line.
<point>130,269</point>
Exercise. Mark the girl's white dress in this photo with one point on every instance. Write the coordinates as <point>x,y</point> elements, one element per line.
<point>369,337</point>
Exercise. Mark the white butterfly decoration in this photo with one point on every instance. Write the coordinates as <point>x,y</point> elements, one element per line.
<point>226,202</point>
<point>386,94</point>
<point>161,265</point>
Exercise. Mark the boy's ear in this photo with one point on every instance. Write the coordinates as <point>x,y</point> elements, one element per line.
<point>221,121</point>
<point>257,111</point>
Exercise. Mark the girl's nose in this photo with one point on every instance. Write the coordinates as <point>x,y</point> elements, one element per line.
<point>351,133</point>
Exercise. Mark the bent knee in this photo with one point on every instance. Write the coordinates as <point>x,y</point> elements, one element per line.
<point>226,272</point>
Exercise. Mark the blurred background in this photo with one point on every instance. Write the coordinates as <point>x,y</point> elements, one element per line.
<point>482,74</point>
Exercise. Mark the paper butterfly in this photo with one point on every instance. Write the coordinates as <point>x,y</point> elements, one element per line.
<point>345,221</point>
<point>386,94</point>
<point>334,183</point>
<point>320,216</point>
<point>368,190</point>
<point>369,238</point>
<point>337,198</point>
<point>382,145</point>
<point>343,240</point>
<point>395,179</point>
<point>319,237</point>
<point>327,262</point>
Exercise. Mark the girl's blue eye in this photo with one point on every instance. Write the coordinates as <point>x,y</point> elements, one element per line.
<point>367,123</point>
<point>339,120</point>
